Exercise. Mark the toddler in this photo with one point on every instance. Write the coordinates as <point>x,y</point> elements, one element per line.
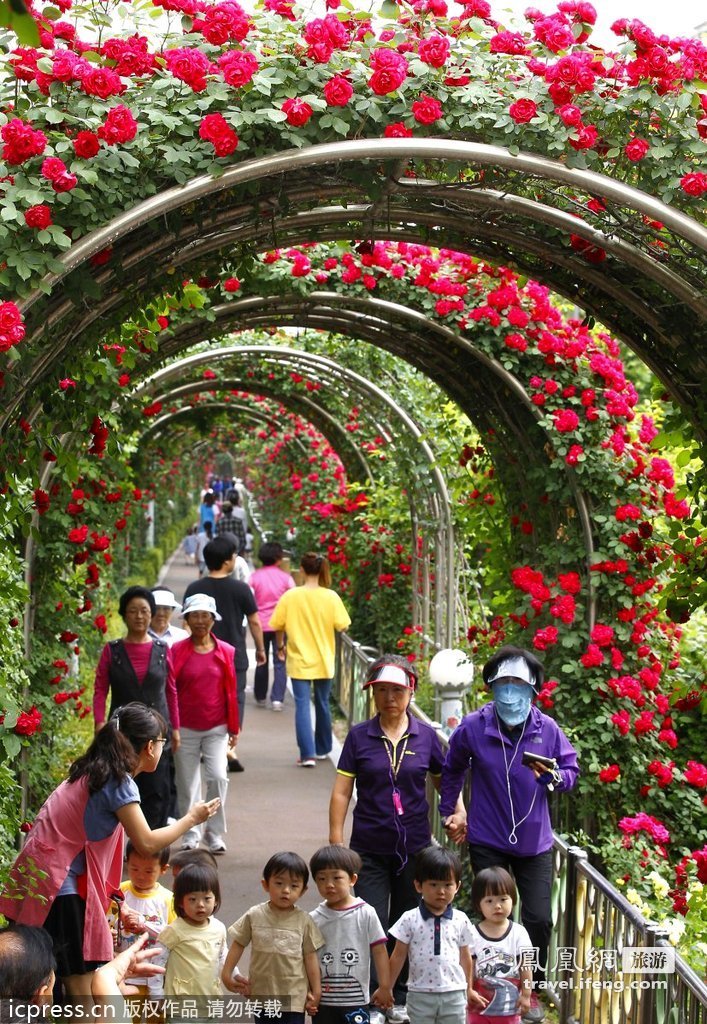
<point>147,906</point>
<point>196,942</point>
<point>352,935</point>
<point>284,941</point>
<point>499,947</point>
<point>435,938</point>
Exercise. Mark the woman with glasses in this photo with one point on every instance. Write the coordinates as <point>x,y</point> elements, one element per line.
<point>389,758</point>
<point>135,669</point>
<point>71,862</point>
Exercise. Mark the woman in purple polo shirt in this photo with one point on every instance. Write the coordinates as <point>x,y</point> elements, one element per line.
<point>388,757</point>
<point>509,815</point>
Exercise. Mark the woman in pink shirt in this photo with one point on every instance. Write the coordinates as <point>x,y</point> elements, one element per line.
<point>269,584</point>
<point>202,669</point>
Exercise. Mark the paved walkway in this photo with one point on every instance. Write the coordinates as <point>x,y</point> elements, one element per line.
<point>273,805</point>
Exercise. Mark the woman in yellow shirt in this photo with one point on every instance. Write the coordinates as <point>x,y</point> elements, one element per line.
<point>310,616</point>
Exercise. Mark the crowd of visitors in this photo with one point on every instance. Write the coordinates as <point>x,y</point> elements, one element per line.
<point>385,943</point>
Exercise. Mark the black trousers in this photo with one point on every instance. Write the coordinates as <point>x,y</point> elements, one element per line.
<point>390,892</point>
<point>156,792</point>
<point>533,876</point>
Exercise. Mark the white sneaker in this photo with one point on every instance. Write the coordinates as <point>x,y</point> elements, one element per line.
<point>376,1016</point>
<point>397,1015</point>
<point>276,705</point>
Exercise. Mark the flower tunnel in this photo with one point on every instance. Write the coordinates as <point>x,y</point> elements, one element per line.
<point>465,237</point>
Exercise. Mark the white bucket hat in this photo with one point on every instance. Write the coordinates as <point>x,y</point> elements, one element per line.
<point>166,599</point>
<point>200,603</point>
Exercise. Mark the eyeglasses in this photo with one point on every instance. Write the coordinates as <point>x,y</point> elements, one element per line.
<point>160,739</point>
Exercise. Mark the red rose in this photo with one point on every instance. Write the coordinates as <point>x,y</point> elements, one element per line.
<point>427,110</point>
<point>28,722</point>
<point>231,284</point>
<point>41,501</point>
<point>298,111</point>
<point>508,42</point>
<point>238,67</point>
<point>65,182</point>
<point>86,144</point>
<point>636,149</point>
<point>102,82</point>
<point>609,774</point>
<point>523,111</point>
<point>53,168</point>
<point>78,535</point>
<point>585,138</point>
<point>434,50</point>
<point>225,21</point>
<point>397,131</point>
<point>694,184</point>
<point>214,128</point>
<point>21,141</point>
<point>119,126</point>
<point>570,115</point>
<point>389,71</point>
<point>39,216</point>
<point>338,91</point>
<point>566,420</point>
<point>190,66</point>
<point>12,329</point>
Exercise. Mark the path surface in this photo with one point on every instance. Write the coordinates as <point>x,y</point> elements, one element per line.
<point>272,805</point>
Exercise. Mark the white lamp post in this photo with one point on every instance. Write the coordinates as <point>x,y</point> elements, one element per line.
<point>451,672</point>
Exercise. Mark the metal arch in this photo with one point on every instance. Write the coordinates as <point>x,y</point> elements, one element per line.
<point>388,310</point>
<point>309,407</point>
<point>369,149</point>
<point>163,423</point>
<point>366,387</point>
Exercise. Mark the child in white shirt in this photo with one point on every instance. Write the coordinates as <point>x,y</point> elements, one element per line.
<point>435,938</point>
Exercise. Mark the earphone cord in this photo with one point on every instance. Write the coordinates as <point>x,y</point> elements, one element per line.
<point>513,837</point>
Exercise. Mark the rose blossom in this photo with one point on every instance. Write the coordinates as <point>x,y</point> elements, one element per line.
<point>21,141</point>
<point>434,50</point>
<point>338,91</point>
<point>298,111</point>
<point>237,67</point>
<point>694,184</point>
<point>523,111</point>
<point>427,110</point>
<point>398,130</point>
<point>636,149</point>
<point>609,774</point>
<point>12,329</point>
<point>566,420</point>
<point>214,128</point>
<point>189,65</point>
<point>119,126</point>
<point>39,216</point>
<point>86,144</point>
<point>389,71</point>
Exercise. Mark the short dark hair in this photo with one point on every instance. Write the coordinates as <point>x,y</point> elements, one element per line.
<point>26,961</point>
<point>180,858</point>
<point>115,749</point>
<point>495,881</point>
<point>219,550</point>
<point>132,592</point>
<point>437,864</point>
<point>195,877</point>
<point>508,651</point>
<point>316,565</point>
<point>270,552</point>
<point>284,861</point>
<point>161,855</point>
<point>339,857</point>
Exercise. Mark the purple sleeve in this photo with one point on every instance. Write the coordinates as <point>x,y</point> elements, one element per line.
<point>566,757</point>
<point>436,755</point>
<point>454,770</point>
<point>100,686</point>
<point>347,761</point>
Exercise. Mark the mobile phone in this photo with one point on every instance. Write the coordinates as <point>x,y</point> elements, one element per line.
<point>529,757</point>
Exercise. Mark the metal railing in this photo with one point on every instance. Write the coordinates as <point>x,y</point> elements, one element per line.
<point>592,921</point>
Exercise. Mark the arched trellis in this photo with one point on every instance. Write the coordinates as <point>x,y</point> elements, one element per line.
<point>651,305</point>
<point>330,373</point>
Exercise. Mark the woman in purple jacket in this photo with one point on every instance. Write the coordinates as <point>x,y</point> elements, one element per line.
<point>509,812</point>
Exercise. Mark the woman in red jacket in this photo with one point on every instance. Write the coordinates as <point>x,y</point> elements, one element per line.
<point>202,668</point>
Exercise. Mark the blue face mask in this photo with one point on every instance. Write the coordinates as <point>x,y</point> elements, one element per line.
<point>512,702</point>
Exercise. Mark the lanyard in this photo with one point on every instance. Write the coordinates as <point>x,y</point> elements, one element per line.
<point>395,762</point>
